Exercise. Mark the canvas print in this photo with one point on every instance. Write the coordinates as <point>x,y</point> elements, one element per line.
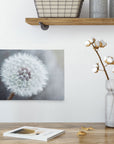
<point>31,74</point>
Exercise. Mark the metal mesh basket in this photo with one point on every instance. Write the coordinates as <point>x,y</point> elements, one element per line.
<point>58,8</point>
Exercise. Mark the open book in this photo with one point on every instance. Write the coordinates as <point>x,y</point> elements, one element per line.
<point>34,133</point>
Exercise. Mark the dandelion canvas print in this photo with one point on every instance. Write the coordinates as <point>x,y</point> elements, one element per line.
<point>32,75</point>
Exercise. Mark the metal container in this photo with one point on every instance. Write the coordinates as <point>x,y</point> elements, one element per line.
<point>58,8</point>
<point>98,9</point>
<point>112,8</point>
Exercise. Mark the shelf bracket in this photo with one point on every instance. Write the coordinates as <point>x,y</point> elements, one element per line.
<point>43,26</point>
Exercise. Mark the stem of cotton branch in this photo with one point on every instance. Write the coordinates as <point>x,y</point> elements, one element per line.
<point>101,62</point>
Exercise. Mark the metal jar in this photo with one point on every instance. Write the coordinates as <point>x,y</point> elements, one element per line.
<point>112,8</point>
<point>98,9</point>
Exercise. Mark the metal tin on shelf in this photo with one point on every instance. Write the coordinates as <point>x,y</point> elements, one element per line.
<point>112,8</point>
<point>98,9</point>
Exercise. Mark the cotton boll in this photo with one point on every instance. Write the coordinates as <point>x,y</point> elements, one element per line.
<point>102,44</point>
<point>97,44</point>
<point>109,60</point>
<point>113,70</point>
<point>95,65</point>
<point>92,40</point>
<point>105,58</point>
<point>87,44</point>
<point>95,70</point>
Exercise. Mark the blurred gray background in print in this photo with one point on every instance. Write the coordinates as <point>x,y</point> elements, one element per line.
<point>54,61</point>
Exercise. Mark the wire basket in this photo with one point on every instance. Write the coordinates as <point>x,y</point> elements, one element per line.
<point>58,8</point>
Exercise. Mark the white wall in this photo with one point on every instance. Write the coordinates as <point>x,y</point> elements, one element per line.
<point>84,91</point>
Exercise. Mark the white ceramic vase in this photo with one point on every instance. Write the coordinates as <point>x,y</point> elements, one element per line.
<point>109,103</point>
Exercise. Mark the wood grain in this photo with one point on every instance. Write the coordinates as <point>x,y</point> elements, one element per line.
<point>101,134</point>
<point>70,21</point>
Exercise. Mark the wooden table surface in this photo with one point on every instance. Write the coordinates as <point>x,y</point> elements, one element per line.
<point>101,134</point>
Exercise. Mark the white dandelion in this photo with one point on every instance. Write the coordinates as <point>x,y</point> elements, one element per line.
<point>24,74</point>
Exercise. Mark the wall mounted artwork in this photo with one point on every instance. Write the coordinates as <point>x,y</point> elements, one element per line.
<point>31,74</point>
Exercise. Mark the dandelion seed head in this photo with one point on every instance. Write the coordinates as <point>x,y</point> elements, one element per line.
<point>24,74</point>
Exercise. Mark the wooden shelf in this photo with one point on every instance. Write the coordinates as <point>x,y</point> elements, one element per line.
<point>70,21</point>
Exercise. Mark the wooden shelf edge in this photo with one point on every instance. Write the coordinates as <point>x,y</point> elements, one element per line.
<point>70,21</point>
